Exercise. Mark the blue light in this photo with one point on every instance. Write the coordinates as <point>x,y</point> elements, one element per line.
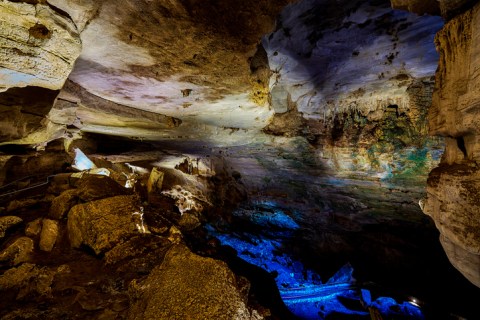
<point>301,289</point>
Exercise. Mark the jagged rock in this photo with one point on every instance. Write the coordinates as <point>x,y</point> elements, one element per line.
<point>18,252</point>
<point>8,222</point>
<point>93,187</point>
<point>63,203</point>
<point>39,45</point>
<point>22,203</point>
<point>28,280</point>
<point>174,290</point>
<point>155,181</point>
<point>33,228</point>
<point>103,224</point>
<point>189,221</point>
<point>454,187</point>
<point>139,254</point>
<point>49,234</point>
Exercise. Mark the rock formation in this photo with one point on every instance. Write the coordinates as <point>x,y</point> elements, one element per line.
<point>188,108</point>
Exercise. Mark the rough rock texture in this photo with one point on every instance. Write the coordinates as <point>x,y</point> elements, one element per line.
<point>183,59</point>
<point>104,223</point>
<point>49,234</point>
<point>28,281</point>
<point>39,46</point>
<point>174,290</point>
<point>448,8</point>
<point>94,187</point>
<point>17,252</point>
<point>63,203</point>
<point>346,77</point>
<point>8,222</point>
<point>454,187</point>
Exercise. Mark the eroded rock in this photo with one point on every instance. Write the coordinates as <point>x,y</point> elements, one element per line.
<point>102,224</point>
<point>174,290</point>
<point>28,280</point>
<point>93,187</point>
<point>49,234</point>
<point>35,37</point>
<point>33,228</point>
<point>18,252</point>
<point>63,203</point>
<point>8,222</point>
<point>454,187</point>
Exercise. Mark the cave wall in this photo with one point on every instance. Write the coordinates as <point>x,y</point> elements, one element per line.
<point>454,186</point>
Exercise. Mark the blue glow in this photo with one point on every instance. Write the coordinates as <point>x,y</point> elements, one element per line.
<point>301,289</point>
<point>81,161</point>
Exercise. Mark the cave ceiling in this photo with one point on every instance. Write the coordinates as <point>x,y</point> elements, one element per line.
<point>216,71</point>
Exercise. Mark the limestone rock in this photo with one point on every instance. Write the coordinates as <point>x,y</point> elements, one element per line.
<point>8,222</point>
<point>466,262</point>
<point>139,254</point>
<point>18,252</point>
<point>63,203</point>
<point>39,45</point>
<point>454,187</point>
<point>33,228</point>
<point>102,224</point>
<point>94,187</point>
<point>28,280</point>
<point>174,290</point>
<point>155,181</point>
<point>49,234</point>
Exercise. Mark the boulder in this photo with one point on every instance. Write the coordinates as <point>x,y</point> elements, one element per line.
<point>8,222</point>
<point>17,252</point>
<point>62,204</point>
<point>93,187</point>
<point>28,280</point>
<point>49,234</point>
<point>174,290</point>
<point>103,224</point>
<point>33,228</point>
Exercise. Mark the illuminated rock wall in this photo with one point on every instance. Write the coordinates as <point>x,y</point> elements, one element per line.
<point>454,187</point>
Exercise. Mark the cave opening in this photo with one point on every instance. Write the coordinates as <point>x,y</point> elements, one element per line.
<point>262,160</point>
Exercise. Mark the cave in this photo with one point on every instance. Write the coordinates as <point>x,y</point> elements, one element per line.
<point>268,159</point>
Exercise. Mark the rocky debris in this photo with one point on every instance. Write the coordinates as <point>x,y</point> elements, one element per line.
<point>17,252</point>
<point>49,234</point>
<point>174,290</point>
<point>102,224</point>
<point>33,228</point>
<point>63,203</point>
<point>29,281</point>
<point>7,222</point>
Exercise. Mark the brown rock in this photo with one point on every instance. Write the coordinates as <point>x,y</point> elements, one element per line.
<point>49,234</point>
<point>28,279</point>
<point>8,222</point>
<point>62,204</point>
<point>454,187</point>
<point>17,252</point>
<point>174,290</point>
<point>93,187</point>
<point>33,228</point>
<point>102,224</point>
